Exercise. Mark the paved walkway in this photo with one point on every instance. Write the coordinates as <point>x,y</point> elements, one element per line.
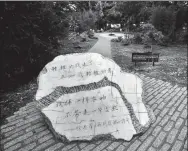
<point>103,44</point>
<point>26,129</point>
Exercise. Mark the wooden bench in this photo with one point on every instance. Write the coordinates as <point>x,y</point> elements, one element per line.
<point>145,57</point>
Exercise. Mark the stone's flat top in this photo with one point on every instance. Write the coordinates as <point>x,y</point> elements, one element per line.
<point>26,129</point>
<point>86,114</point>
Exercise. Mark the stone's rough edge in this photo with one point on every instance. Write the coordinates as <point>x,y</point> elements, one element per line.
<point>104,82</point>
<point>151,114</point>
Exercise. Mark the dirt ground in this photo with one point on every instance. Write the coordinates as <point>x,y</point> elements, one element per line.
<point>172,65</point>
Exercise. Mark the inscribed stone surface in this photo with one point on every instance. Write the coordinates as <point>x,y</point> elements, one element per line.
<point>86,95</point>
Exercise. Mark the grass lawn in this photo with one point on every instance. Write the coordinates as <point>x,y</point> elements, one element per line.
<point>172,65</point>
<point>11,101</point>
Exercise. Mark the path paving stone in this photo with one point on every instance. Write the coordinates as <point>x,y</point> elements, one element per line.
<point>146,143</point>
<point>159,139</point>
<point>169,126</point>
<point>26,129</point>
<point>113,146</point>
<point>172,136</point>
<point>120,148</point>
<point>179,123</point>
<point>165,147</point>
<point>55,147</point>
<point>177,146</point>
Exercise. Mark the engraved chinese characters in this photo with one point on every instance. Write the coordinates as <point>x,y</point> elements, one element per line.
<point>86,114</point>
<point>74,70</point>
<point>83,96</point>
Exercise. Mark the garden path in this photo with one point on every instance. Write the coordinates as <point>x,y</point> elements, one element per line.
<point>103,44</point>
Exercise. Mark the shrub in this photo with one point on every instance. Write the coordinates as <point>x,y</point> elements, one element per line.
<point>126,42</point>
<point>164,41</point>
<point>114,40</point>
<point>137,39</point>
<point>85,20</point>
<point>90,33</point>
<point>150,35</point>
<point>163,19</point>
<point>120,38</point>
<point>84,37</point>
<point>30,30</point>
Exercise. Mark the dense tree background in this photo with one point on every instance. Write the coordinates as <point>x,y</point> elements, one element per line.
<point>30,31</point>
